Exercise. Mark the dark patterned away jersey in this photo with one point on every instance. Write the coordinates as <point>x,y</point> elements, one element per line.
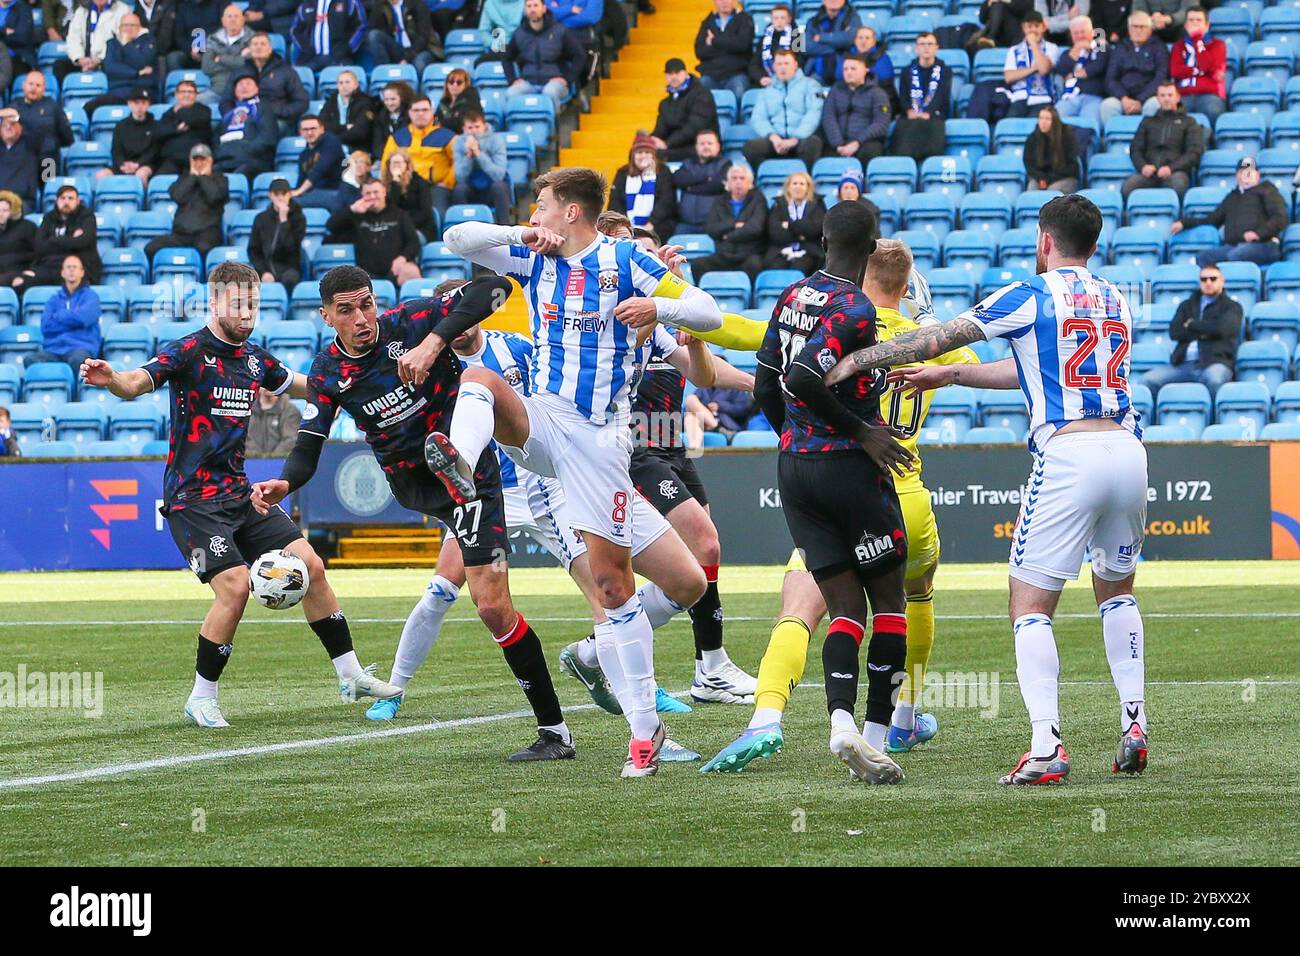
<point>214,385</point>
<point>394,417</point>
<point>659,386</point>
<point>816,322</point>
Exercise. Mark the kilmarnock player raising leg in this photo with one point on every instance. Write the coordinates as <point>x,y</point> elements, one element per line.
<point>214,375</point>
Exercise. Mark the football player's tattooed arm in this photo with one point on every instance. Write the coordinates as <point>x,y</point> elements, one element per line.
<point>919,378</point>
<point>876,439</point>
<point>916,346</point>
<point>127,385</point>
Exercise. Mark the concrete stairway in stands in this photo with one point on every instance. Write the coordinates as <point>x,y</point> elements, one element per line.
<point>389,548</point>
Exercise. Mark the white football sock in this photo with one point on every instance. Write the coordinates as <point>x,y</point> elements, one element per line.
<point>764,716</point>
<point>659,607</point>
<point>422,627</point>
<point>203,687</point>
<point>587,655</point>
<point>712,660</point>
<point>346,665</point>
<point>1121,627</point>
<point>842,722</point>
<point>473,421</point>
<point>1037,670</point>
<point>561,729</point>
<point>904,716</point>
<point>607,655</point>
<point>634,640</point>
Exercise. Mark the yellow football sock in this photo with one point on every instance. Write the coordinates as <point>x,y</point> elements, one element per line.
<point>782,666</point>
<point>920,639</point>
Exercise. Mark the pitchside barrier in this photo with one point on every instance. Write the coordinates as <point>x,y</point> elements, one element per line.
<point>1206,501</point>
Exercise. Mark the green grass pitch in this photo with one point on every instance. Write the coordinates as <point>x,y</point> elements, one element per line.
<point>1221,788</point>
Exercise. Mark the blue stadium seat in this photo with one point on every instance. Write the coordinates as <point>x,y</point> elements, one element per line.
<point>381,76</point>
<point>724,101</point>
<point>1276,321</point>
<point>1165,434</point>
<point>1129,279</point>
<point>80,422</point>
<point>108,449</point>
<point>1282,282</point>
<point>1280,24</point>
<point>891,212</point>
<point>157,448</point>
<point>731,289</point>
<point>1000,174</point>
<point>1242,281</point>
<point>1267,58</point>
<point>218,254</point>
<point>993,279</point>
<point>292,341</point>
<point>1219,168</point>
<point>328,256</point>
<point>829,170</point>
<point>1184,403</point>
<point>968,138</point>
<point>924,246</point>
<point>134,422</point>
<point>34,300</point>
<point>1228,431</point>
<point>80,88</point>
<point>990,436</point>
<point>1142,400</point>
<point>237,185</point>
<point>181,262</point>
<point>970,249</point>
<point>51,52</point>
<point>953,291</point>
<point>1151,323</point>
<point>1243,403</point>
<point>891,176</point>
<point>952,412</point>
<point>1028,204</point>
<point>50,449</point>
<point>128,345</point>
<point>145,225</point>
<point>468,212</point>
<point>11,378</point>
<point>526,107</point>
<point>987,212</point>
<point>121,195</point>
<point>31,423</point>
<point>1109,170</point>
<point>756,439</point>
<point>9,309</point>
<point>175,77</point>
<point>1266,362</point>
<point>1139,247</point>
<point>1146,356</point>
<point>462,41</point>
<point>48,383</point>
<point>327,81</point>
<point>770,283</point>
<point>1010,134</point>
<point>1153,209</point>
<point>714,440</point>
<point>1173,283</point>
<point>949,175</point>
<point>1016,248</point>
<point>99,396</point>
<point>157,193</point>
<point>1200,201</point>
<point>1284,130</point>
<point>490,75</point>
<point>989,64</point>
<point>1003,408</point>
<point>748,102</point>
<point>772,174</point>
<point>1183,248</point>
<point>304,302</point>
<point>1281,431</point>
<point>1119,132</point>
<point>1278,165</point>
<point>1229,22</point>
<point>1286,402</point>
<point>694,244</point>
<point>932,212</point>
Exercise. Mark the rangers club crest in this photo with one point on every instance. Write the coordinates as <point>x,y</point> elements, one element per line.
<point>254,367</point>
<point>396,350</point>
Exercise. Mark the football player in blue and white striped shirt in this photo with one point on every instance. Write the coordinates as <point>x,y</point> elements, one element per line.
<point>1070,332</point>
<point>587,298</point>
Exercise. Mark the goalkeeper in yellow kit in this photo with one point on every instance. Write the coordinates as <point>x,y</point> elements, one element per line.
<point>894,288</point>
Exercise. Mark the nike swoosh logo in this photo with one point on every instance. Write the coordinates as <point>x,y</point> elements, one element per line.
<point>577,672</point>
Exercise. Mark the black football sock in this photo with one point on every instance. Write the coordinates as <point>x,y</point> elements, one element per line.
<point>840,662</point>
<point>212,658</point>
<point>333,633</point>
<point>527,662</point>
<point>706,616</point>
<point>886,660</point>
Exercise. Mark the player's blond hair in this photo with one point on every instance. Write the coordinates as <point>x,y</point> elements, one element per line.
<point>890,266</point>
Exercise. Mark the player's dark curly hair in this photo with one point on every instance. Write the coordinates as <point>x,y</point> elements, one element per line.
<point>850,228</point>
<point>343,279</point>
<point>1074,222</point>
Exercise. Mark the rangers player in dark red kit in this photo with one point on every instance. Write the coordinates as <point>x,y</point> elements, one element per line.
<point>214,375</point>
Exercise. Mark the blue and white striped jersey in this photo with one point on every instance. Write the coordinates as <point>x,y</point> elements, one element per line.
<point>508,354</point>
<point>1070,333</point>
<point>582,354</point>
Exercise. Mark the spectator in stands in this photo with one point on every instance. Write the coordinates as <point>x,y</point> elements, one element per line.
<point>543,57</point>
<point>1052,154</point>
<point>855,118</point>
<point>644,189</point>
<point>6,67</point>
<point>195,21</point>
<point>135,141</point>
<point>410,193</point>
<point>20,166</point>
<point>1111,17</point>
<point>8,440</point>
<point>1168,17</point>
<point>274,16</point>
<point>1138,65</point>
<point>70,323</point>
<point>1167,148</point>
<point>702,179</point>
<point>181,128</point>
<point>481,167</point>
<point>499,20</point>
<point>738,224</point>
<point>1198,62</point>
<point>867,46</point>
<point>273,426</point>
<point>42,117</point>
<point>200,196</point>
<point>687,110</point>
<point>89,31</point>
<point>1002,20</point>
<point>925,91</point>
<point>1253,217</point>
<point>828,35</point>
<point>1207,327</point>
<point>387,245</point>
<point>1028,68</point>
<point>248,133</point>
<point>17,238</point>
<point>458,98</point>
<point>430,148</point>
<point>723,410</point>
<point>224,53</point>
<point>580,17</point>
<point>358,174</point>
<point>401,31</point>
<point>443,14</point>
<point>280,86</point>
<point>18,33</point>
<point>328,32</point>
<point>130,64</point>
<point>159,18</point>
<point>786,116</point>
<point>1084,67</point>
<point>1056,18</point>
<point>396,114</point>
<point>320,166</point>
<point>794,227</point>
<point>54,17</point>
<point>68,229</point>
<point>777,35</point>
<point>724,45</point>
<point>350,114</point>
<point>275,244</point>
<point>850,188</point>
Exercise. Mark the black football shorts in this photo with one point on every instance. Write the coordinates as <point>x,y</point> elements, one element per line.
<point>215,535</point>
<point>479,526</point>
<point>665,477</point>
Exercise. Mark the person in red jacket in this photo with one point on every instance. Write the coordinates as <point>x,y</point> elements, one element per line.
<point>1198,63</point>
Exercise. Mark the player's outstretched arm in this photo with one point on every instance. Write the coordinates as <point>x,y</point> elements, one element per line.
<point>297,386</point>
<point>475,302</point>
<point>127,385</point>
<point>727,375</point>
<point>736,332</point>
<point>918,346</point>
<point>695,362</point>
<point>299,468</point>
<point>920,378</point>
